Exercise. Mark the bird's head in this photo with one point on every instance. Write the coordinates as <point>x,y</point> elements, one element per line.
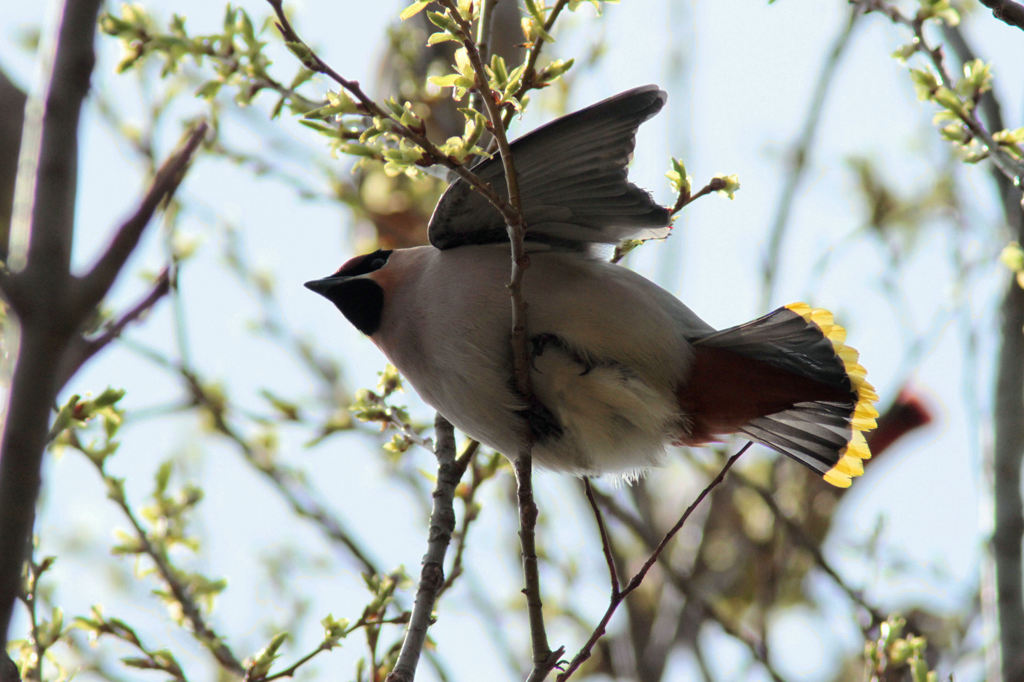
<point>356,290</point>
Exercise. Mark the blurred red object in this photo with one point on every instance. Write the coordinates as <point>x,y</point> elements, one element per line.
<point>907,413</point>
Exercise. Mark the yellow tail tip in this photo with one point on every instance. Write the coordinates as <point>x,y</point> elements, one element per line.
<point>864,414</point>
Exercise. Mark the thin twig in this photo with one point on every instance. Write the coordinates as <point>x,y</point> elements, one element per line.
<point>683,583</point>
<point>606,541</point>
<point>442,525</point>
<point>314,62</point>
<point>619,595</point>
<point>169,574</point>
<point>484,31</point>
<point>685,198</point>
<point>1010,167</point>
<point>84,349</point>
<point>290,484</point>
<point>94,286</point>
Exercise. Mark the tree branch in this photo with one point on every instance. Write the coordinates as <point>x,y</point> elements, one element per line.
<point>442,525</point>
<point>544,660</point>
<point>1010,167</point>
<point>43,222</point>
<point>183,596</point>
<point>1007,455</point>
<point>95,285</point>
<point>314,62</point>
<point>40,255</point>
<point>1008,447</point>
<point>619,595</point>
<point>1006,11</point>
<point>84,349</point>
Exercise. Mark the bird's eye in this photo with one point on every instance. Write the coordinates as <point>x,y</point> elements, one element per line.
<point>361,265</point>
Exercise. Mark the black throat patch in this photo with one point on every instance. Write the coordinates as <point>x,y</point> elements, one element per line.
<point>359,300</point>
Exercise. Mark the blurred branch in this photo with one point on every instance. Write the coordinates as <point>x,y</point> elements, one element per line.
<point>1008,445</point>
<point>171,577</point>
<point>95,285</point>
<point>797,157</point>
<point>1008,450</point>
<point>272,320</point>
<point>685,584</point>
<point>813,548</point>
<point>85,348</point>
<point>620,593</point>
<point>39,257</point>
<point>43,221</point>
<point>12,116</point>
<point>442,525</point>
<point>290,484</point>
<point>299,495</point>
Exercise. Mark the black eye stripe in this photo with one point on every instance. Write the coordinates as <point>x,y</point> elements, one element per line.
<point>361,265</point>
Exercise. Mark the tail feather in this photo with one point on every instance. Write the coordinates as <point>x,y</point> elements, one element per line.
<point>801,390</point>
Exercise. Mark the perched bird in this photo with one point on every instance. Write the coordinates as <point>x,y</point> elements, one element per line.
<point>620,368</point>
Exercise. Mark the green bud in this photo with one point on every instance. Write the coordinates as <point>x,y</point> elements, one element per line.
<point>730,185</point>
<point>925,83</point>
<point>260,664</point>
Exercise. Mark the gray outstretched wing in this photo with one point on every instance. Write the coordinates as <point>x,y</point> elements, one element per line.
<point>572,182</point>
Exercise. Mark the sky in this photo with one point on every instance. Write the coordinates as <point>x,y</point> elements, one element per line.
<point>738,76</point>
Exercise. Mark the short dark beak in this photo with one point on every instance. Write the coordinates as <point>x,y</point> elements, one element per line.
<point>324,285</point>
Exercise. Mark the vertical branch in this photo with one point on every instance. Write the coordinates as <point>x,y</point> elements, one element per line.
<point>42,231</point>
<point>798,156</point>
<point>12,111</point>
<point>1008,448</point>
<point>485,29</point>
<point>45,190</point>
<point>544,659</point>
<point>442,525</point>
<point>1007,455</point>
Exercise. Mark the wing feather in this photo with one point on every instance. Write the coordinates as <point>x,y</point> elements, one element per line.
<point>573,182</point>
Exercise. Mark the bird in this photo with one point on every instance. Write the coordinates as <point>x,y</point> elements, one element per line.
<point>620,369</point>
